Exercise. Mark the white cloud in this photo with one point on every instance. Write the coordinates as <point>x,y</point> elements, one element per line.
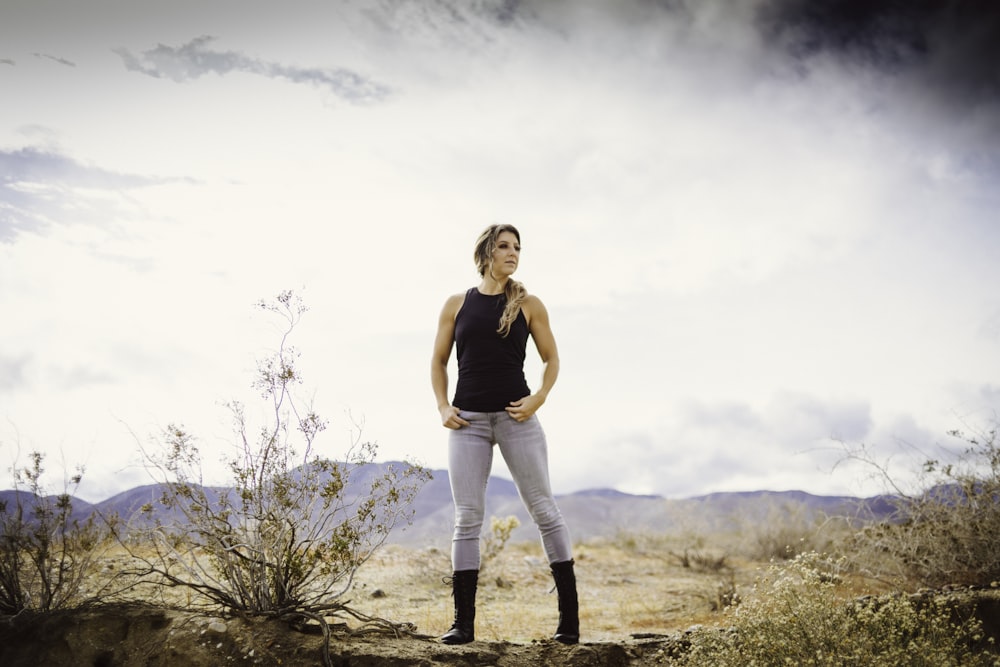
<point>194,60</point>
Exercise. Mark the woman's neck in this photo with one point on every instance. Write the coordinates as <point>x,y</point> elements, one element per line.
<point>490,285</point>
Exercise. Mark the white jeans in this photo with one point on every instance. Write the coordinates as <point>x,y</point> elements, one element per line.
<point>470,458</point>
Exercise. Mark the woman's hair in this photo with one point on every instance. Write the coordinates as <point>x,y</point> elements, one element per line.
<point>515,291</point>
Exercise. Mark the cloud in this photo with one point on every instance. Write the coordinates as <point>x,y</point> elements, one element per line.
<point>31,164</point>
<point>990,394</point>
<point>81,377</point>
<point>949,48</point>
<point>39,187</point>
<point>920,61</point>
<point>7,61</point>
<point>945,51</point>
<point>55,59</point>
<point>12,375</point>
<point>791,420</point>
<point>194,60</point>
<point>724,445</point>
<point>990,326</point>
<point>464,25</point>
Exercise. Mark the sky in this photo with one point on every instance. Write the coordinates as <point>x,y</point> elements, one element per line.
<point>765,231</point>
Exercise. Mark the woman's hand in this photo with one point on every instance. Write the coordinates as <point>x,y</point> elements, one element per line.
<point>523,409</point>
<point>450,418</point>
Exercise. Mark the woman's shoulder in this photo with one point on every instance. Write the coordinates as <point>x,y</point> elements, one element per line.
<point>531,301</point>
<point>460,297</point>
<point>532,306</point>
<point>455,301</point>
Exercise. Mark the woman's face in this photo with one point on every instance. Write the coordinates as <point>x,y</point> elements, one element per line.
<point>506,255</point>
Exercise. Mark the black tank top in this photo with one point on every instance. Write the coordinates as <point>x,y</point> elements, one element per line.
<point>490,366</point>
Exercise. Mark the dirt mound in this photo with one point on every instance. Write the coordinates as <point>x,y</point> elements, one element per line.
<point>146,636</point>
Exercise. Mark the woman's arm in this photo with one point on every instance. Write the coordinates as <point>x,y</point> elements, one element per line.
<point>545,342</point>
<point>443,342</point>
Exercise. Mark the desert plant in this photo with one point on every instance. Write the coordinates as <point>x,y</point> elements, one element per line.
<point>287,537</point>
<point>797,614</point>
<point>787,529</point>
<point>701,560</point>
<point>494,543</point>
<point>723,594</point>
<point>46,552</point>
<point>946,532</point>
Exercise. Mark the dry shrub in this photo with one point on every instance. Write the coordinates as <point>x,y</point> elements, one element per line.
<point>789,529</point>
<point>947,533</point>
<point>287,538</point>
<point>494,543</point>
<point>47,553</point>
<point>797,615</point>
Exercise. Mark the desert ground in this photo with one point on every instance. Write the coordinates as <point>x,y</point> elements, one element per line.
<point>626,588</point>
<point>637,597</point>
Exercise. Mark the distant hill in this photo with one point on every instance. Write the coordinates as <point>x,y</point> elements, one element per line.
<point>10,498</point>
<point>592,513</point>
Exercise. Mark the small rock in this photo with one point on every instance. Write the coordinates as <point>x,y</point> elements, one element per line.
<point>218,627</point>
<point>378,593</point>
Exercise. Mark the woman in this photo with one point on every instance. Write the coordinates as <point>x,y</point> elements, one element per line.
<point>489,325</point>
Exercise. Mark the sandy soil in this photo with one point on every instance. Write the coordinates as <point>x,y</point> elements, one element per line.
<point>638,598</point>
<point>154,637</point>
<point>636,603</point>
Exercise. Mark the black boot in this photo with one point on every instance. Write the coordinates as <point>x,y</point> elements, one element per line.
<point>463,588</point>
<point>568,631</point>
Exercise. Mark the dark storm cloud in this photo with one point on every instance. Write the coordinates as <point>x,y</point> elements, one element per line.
<point>195,59</point>
<point>951,48</point>
<point>36,189</point>
<point>938,58</point>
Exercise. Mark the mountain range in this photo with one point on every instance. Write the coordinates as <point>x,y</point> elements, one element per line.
<point>591,514</point>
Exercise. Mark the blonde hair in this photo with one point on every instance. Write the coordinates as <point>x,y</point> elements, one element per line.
<point>515,291</point>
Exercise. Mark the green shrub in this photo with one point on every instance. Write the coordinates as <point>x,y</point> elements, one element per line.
<point>797,615</point>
